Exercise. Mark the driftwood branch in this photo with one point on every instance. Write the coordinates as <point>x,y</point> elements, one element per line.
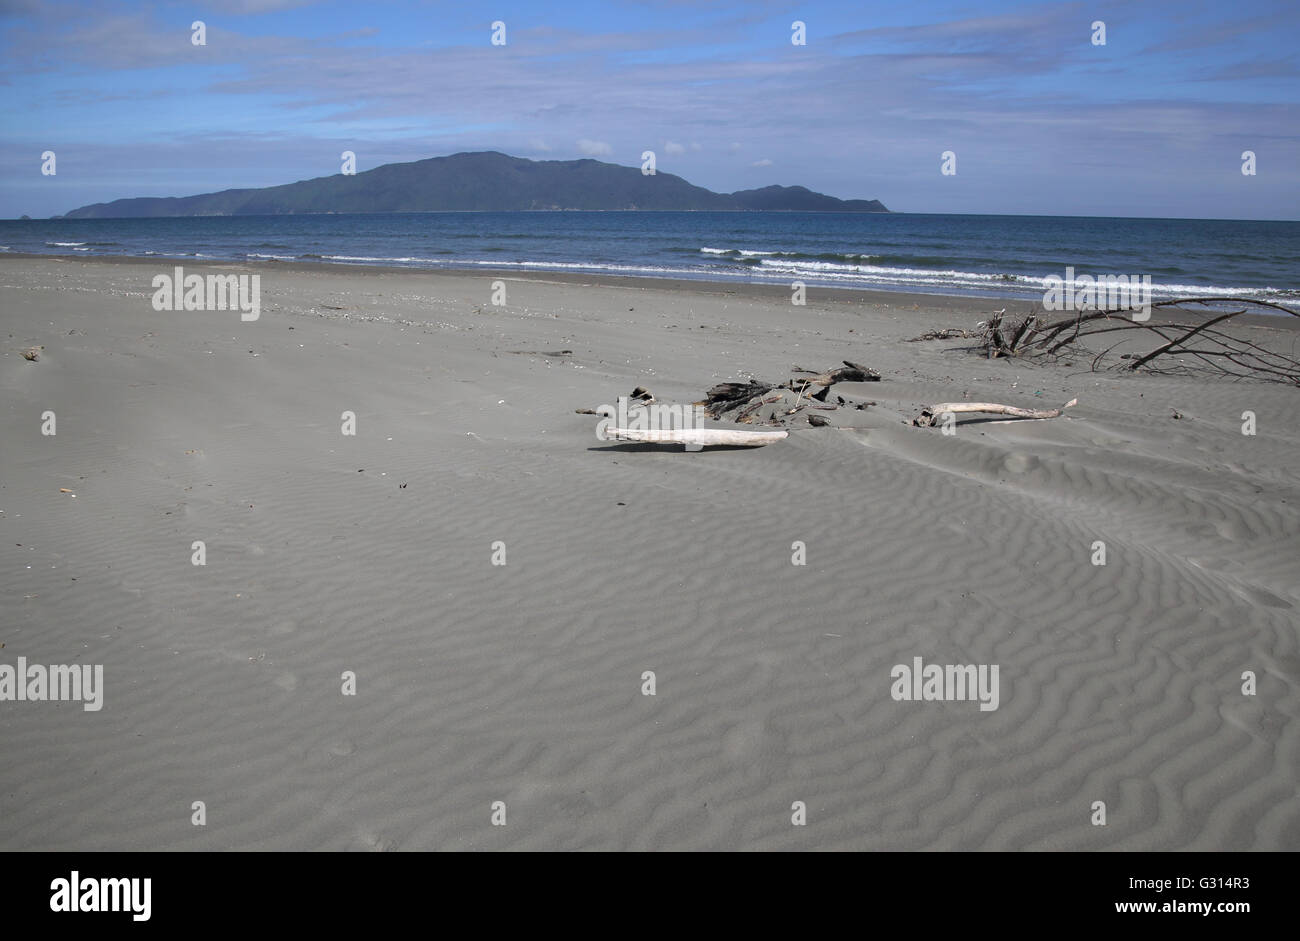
<point>949,333</point>
<point>849,372</point>
<point>1182,348</point>
<point>702,437</point>
<point>931,414</point>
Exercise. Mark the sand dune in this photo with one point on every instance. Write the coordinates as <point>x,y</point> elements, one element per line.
<point>522,682</point>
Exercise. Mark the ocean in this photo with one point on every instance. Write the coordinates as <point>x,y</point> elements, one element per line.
<point>981,255</point>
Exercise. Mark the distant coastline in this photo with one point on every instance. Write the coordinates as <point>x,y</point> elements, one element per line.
<point>479,182</point>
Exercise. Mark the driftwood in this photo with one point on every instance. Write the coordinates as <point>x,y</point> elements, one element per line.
<point>701,437</point>
<point>726,396</point>
<point>741,400</point>
<point>1000,340</point>
<point>1187,349</point>
<point>932,414</point>
<point>737,404</point>
<point>950,333</point>
<point>849,372</point>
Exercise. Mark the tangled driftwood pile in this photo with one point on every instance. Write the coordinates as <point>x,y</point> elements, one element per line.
<point>1160,347</point>
<point>769,403</point>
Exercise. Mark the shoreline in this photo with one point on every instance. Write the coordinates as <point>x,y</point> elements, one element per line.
<point>765,289</point>
<point>831,296</point>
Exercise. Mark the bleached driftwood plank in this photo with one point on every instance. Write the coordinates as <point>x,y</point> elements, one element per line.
<point>702,437</point>
<point>930,414</point>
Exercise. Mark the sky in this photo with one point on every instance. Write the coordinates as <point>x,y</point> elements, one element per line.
<point>1039,118</point>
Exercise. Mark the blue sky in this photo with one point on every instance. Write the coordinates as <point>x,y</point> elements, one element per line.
<point>1041,120</point>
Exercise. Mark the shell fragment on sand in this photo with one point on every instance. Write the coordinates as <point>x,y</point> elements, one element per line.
<point>698,437</point>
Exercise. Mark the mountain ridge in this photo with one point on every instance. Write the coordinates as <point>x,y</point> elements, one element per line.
<point>482,181</point>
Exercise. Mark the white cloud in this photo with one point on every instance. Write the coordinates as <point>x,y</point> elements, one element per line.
<point>537,143</point>
<point>761,163</point>
<point>672,148</point>
<point>594,148</point>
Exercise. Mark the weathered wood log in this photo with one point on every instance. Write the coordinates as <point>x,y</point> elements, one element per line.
<point>728,395</point>
<point>849,372</point>
<point>931,414</point>
<point>704,437</point>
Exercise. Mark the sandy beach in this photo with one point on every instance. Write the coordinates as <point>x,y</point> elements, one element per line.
<point>524,683</point>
